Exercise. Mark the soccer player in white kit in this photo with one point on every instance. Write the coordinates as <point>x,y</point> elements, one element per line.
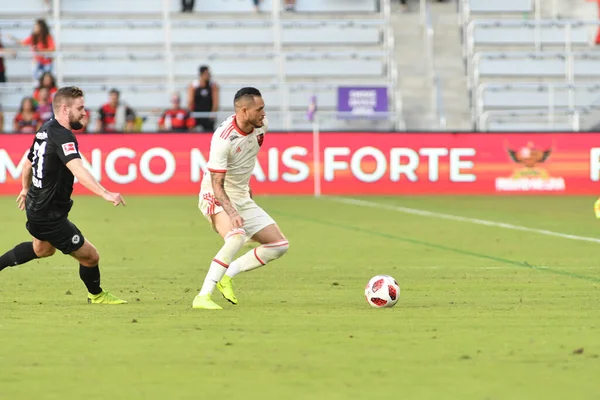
<point>226,201</point>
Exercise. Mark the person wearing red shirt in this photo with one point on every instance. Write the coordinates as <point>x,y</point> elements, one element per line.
<point>27,119</point>
<point>115,116</point>
<point>44,105</point>
<point>176,119</point>
<point>41,42</point>
<point>46,81</point>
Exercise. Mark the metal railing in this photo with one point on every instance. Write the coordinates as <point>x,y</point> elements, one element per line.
<point>552,92</point>
<point>568,116</point>
<point>568,58</point>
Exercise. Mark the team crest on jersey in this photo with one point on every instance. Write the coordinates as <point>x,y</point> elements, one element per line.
<point>75,239</point>
<point>260,138</point>
<point>69,148</point>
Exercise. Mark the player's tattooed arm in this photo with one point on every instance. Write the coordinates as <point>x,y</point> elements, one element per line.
<point>218,184</point>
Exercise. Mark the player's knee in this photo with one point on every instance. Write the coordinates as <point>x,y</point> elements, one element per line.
<point>278,249</point>
<point>43,251</point>
<point>94,258</point>
<point>47,252</point>
<point>91,259</point>
<point>236,235</point>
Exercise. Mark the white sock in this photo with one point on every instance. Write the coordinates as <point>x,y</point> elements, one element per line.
<point>258,257</point>
<point>234,241</point>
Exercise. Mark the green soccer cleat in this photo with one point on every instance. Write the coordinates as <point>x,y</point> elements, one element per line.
<point>225,286</point>
<point>205,302</point>
<point>104,298</point>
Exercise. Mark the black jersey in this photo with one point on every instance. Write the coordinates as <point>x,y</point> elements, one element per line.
<point>49,197</point>
<point>203,97</point>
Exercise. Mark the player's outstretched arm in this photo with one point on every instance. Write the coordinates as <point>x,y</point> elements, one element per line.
<point>86,179</point>
<point>26,183</point>
<point>218,184</point>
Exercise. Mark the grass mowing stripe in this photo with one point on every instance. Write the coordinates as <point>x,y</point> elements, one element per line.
<point>437,246</point>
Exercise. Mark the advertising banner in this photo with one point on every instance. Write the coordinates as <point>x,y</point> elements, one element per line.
<point>349,163</point>
<point>362,100</point>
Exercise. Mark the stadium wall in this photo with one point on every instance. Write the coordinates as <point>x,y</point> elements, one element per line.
<point>350,163</point>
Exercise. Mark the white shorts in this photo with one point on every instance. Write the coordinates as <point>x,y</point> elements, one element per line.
<point>255,218</point>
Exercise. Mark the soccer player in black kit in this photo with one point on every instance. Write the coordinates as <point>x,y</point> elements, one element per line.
<point>48,175</point>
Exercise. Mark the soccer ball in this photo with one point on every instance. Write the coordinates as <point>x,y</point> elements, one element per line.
<point>382,291</point>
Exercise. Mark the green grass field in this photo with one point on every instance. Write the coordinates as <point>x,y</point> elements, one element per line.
<point>485,312</point>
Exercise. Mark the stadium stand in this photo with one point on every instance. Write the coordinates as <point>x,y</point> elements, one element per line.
<point>147,52</point>
<point>531,73</point>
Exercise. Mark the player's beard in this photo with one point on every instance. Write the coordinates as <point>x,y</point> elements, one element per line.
<point>258,123</point>
<point>74,124</point>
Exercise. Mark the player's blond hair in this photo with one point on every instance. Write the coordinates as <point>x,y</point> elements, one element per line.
<point>65,95</point>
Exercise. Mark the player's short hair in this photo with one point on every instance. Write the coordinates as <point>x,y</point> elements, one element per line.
<point>203,69</point>
<point>246,93</point>
<point>114,90</point>
<point>65,95</point>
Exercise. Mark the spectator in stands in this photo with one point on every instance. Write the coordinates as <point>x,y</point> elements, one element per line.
<point>84,122</point>
<point>46,81</point>
<point>44,105</point>
<point>203,96</point>
<point>256,4</point>
<point>187,6</point>
<point>176,119</point>
<point>2,68</point>
<point>41,43</point>
<point>27,119</point>
<point>290,5</point>
<point>115,116</point>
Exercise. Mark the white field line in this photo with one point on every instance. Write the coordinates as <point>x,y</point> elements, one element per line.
<point>477,221</point>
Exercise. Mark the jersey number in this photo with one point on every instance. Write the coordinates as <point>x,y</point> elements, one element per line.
<point>39,151</point>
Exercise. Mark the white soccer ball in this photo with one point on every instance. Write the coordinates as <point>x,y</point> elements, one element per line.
<point>382,291</point>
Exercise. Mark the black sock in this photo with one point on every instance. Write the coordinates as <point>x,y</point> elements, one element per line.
<point>91,277</point>
<point>21,254</point>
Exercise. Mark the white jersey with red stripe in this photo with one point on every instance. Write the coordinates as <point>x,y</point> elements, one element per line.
<point>233,152</point>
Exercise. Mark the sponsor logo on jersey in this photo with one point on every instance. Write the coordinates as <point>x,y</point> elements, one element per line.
<point>69,148</point>
<point>41,135</point>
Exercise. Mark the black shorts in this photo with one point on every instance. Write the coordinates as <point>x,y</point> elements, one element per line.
<point>63,235</point>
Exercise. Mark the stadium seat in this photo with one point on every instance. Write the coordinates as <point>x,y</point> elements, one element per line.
<point>212,33</point>
<point>21,7</point>
<point>501,96</point>
<point>499,6</point>
<point>137,7</point>
<point>488,34</point>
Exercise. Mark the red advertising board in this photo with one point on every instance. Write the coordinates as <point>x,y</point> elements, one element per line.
<point>349,163</point>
